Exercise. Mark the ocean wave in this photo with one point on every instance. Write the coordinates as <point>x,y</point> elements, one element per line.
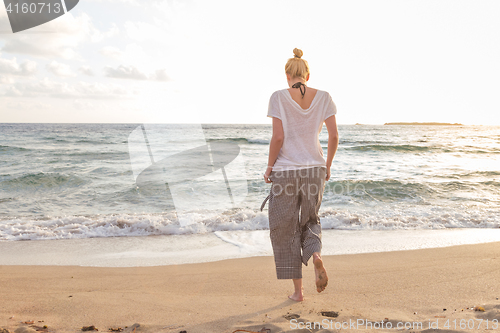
<point>483,173</point>
<point>12,148</point>
<point>398,148</point>
<point>95,155</point>
<point>42,180</point>
<point>355,142</point>
<point>2,200</point>
<point>55,139</point>
<point>126,225</point>
<point>363,192</point>
<point>96,142</point>
<point>408,219</point>
<point>244,140</point>
<point>259,141</point>
<point>409,148</point>
<point>391,190</point>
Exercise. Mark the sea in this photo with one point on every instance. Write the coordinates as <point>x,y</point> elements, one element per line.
<point>156,194</point>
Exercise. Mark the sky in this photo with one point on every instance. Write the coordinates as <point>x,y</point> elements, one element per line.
<point>153,61</point>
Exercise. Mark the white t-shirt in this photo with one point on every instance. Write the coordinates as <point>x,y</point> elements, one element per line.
<point>301,147</point>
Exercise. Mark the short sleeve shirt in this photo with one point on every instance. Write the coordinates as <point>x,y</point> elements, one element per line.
<point>301,147</point>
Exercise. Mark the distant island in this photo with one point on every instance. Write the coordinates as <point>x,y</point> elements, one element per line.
<point>439,124</point>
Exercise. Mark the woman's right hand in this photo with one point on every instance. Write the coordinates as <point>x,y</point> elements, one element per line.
<point>267,174</point>
<point>328,174</point>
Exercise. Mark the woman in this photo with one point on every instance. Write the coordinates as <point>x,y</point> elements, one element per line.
<point>298,173</point>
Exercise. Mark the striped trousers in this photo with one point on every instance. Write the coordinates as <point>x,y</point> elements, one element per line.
<point>294,224</point>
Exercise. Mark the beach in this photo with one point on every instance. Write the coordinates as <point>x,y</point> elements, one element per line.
<point>94,233</point>
<point>139,168</point>
<point>428,286</point>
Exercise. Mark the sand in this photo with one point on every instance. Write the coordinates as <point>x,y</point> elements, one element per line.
<point>431,286</point>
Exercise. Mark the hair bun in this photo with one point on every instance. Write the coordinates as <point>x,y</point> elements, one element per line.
<point>297,53</point>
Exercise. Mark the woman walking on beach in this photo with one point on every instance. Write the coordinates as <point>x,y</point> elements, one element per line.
<point>298,171</point>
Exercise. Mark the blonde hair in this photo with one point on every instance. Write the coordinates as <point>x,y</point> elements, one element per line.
<point>296,66</point>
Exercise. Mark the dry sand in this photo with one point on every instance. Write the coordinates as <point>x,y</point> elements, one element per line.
<point>224,296</point>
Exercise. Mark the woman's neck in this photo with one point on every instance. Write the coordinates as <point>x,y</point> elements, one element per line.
<point>295,80</point>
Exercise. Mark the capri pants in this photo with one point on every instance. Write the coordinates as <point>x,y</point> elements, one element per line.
<point>294,224</point>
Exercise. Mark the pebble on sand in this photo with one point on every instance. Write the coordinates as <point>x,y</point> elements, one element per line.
<point>332,314</point>
<point>89,328</point>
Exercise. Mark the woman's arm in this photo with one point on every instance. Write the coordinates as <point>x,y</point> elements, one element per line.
<point>274,146</point>
<point>333,142</point>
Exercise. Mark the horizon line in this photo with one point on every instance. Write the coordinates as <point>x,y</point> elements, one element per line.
<point>181,123</point>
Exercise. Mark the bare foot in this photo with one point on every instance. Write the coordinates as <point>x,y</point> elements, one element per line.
<point>297,296</point>
<point>321,277</point>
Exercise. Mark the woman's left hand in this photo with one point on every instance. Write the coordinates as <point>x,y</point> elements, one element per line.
<point>267,174</point>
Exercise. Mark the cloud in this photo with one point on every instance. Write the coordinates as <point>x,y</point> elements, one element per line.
<point>141,31</point>
<point>59,69</point>
<point>111,52</point>
<point>130,2</point>
<point>12,67</point>
<point>82,90</point>
<point>57,38</point>
<point>83,105</point>
<point>133,54</point>
<point>125,72</point>
<point>12,91</point>
<point>86,70</point>
<point>98,36</point>
<point>4,79</point>
<point>4,21</point>
<point>131,72</point>
<point>160,75</point>
<point>26,106</point>
<point>98,90</point>
<point>141,2</point>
